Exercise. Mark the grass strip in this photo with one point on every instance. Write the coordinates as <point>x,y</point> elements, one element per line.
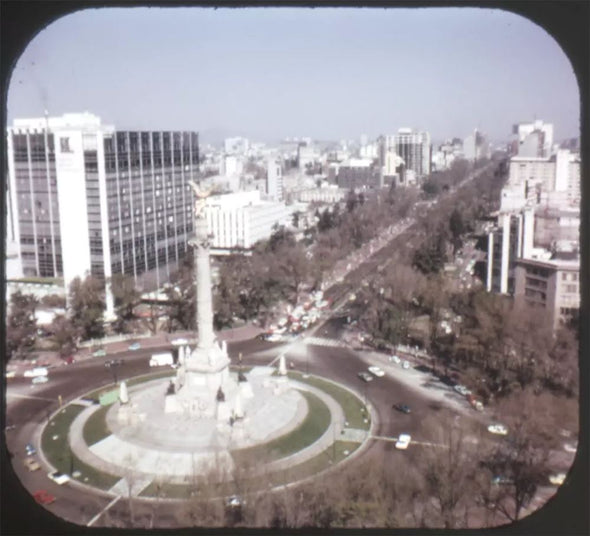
<point>54,443</point>
<point>354,410</point>
<point>95,428</point>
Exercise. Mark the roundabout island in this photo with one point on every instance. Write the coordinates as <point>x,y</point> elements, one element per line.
<point>296,427</point>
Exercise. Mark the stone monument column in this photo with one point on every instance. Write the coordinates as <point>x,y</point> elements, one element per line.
<point>202,276</point>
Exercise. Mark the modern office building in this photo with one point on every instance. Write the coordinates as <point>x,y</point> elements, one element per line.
<point>358,173</point>
<point>88,199</point>
<point>415,150</point>
<point>239,220</point>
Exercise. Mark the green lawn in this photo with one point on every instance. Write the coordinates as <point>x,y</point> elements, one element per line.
<point>353,408</point>
<point>316,422</point>
<point>95,428</point>
<point>58,453</point>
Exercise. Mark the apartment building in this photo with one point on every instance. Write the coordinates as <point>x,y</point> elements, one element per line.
<point>552,283</point>
<point>88,199</point>
<point>415,150</point>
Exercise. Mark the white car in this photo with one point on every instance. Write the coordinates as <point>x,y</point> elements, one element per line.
<point>406,364</point>
<point>180,342</point>
<point>58,478</point>
<point>558,479</point>
<point>498,429</point>
<point>403,441</point>
<point>40,379</point>
<point>395,359</point>
<point>376,371</point>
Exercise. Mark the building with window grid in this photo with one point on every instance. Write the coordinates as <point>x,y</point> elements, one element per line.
<point>88,199</point>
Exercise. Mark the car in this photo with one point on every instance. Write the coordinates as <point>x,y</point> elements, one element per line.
<point>462,390</point>
<point>498,429</point>
<point>404,408</point>
<point>101,352</point>
<point>405,364</point>
<point>134,346</point>
<point>365,376</point>
<point>38,371</point>
<point>30,450</point>
<point>403,441</point>
<point>31,464</point>
<point>58,478</point>
<point>568,447</point>
<point>234,501</point>
<point>10,374</point>
<point>39,379</point>
<point>395,359</point>
<point>376,371</point>
<point>274,337</point>
<point>557,479</point>
<point>500,480</point>
<point>180,342</point>
<point>69,360</point>
<point>43,497</point>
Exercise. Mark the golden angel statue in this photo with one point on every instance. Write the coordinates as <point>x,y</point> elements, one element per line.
<point>201,195</point>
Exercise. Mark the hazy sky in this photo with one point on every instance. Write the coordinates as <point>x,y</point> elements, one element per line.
<point>325,73</point>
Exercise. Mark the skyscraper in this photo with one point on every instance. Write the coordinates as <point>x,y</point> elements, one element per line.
<point>414,148</point>
<point>88,199</point>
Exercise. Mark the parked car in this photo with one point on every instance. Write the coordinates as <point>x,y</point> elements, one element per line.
<point>101,352</point>
<point>376,371</point>
<point>365,376</point>
<point>58,478</point>
<point>43,497</point>
<point>30,450</point>
<point>31,464</point>
<point>498,429</point>
<point>39,379</point>
<point>395,359</point>
<point>134,346</point>
<point>403,441</point>
<point>404,408</point>
<point>462,390</point>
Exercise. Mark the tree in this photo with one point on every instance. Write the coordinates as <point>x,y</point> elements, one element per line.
<point>65,335</point>
<point>294,267</point>
<point>457,228</point>
<point>87,306</point>
<point>182,298</point>
<point>522,465</point>
<point>126,297</point>
<point>449,469</point>
<point>21,325</point>
<point>430,257</point>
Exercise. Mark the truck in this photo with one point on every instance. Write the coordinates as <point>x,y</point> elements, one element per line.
<point>161,359</point>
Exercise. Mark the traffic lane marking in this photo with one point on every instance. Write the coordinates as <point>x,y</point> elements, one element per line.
<point>97,516</point>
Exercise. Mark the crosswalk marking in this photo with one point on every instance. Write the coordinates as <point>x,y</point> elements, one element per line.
<point>321,341</point>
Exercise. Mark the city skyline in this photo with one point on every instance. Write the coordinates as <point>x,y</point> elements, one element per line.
<point>272,73</point>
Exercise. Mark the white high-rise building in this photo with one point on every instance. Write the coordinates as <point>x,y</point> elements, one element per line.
<point>88,199</point>
<point>274,179</point>
<point>534,139</point>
